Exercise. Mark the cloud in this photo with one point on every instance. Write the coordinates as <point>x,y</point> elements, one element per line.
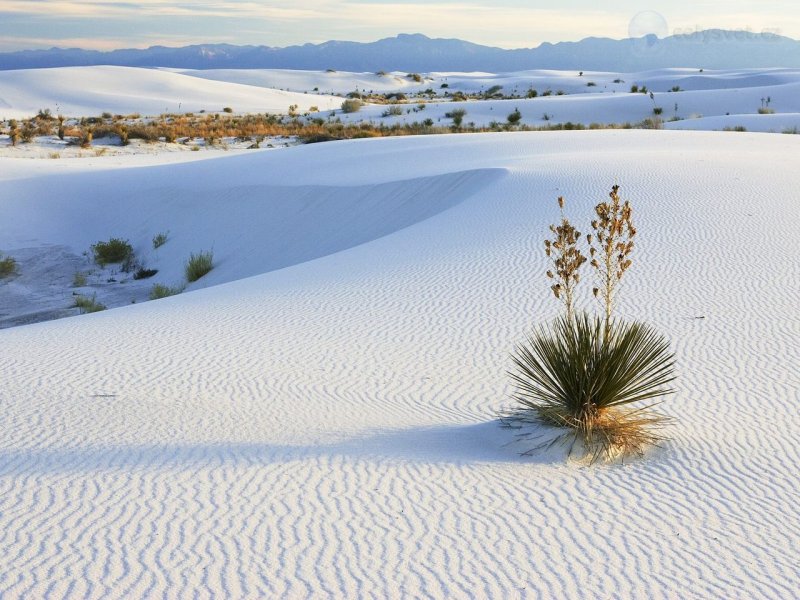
<point>505,23</point>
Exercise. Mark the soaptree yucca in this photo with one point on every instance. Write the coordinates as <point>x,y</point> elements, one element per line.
<point>570,374</point>
<point>596,376</point>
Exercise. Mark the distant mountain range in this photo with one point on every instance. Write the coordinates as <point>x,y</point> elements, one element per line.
<point>712,49</point>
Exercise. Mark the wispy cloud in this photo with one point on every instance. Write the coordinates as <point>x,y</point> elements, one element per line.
<point>504,23</point>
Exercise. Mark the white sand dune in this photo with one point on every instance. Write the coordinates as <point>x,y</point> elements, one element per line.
<point>326,428</point>
<point>728,98</point>
<point>89,91</point>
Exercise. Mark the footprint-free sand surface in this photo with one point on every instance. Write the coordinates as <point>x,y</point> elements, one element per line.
<point>317,418</point>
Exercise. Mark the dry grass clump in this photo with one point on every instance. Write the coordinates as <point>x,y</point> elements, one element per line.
<point>352,105</point>
<point>160,239</point>
<point>590,374</point>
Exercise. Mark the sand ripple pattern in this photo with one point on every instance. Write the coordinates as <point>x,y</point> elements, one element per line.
<point>327,431</point>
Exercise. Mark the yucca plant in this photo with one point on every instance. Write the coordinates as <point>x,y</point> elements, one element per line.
<point>596,376</point>
<point>572,375</point>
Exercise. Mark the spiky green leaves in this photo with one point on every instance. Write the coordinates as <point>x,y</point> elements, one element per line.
<point>573,374</point>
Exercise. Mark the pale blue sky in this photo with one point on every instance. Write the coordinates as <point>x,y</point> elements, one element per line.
<point>505,23</point>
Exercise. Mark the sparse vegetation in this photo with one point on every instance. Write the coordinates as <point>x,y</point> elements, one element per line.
<point>198,265</point>
<point>79,279</point>
<point>515,117</point>
<point>159,291</point>
<point>8,266</point>
<point>393,111</point>
<point>160,239</point>
<point>766,111</point>
<point>115,250</point>
<point>352,105</point>
<point>457,115</point>
<point>88,305</point>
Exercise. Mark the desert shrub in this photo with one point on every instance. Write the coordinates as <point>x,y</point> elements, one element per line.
<point>85,139</point>
<point>198,265</point>
<point>590,374</point>
<point>415,77</point>
<point>88,305</point>
<point>658,111</point>
<point>514,117</point>
<point>352,105</point>
<point>227,109</point>
<point>766,111</point>
<point>457,115</point>
<point>676,88</point>
<point>738,128</point>
<point>8,266</point>
<point>651,123</point>
<point>159,291</point>
<point>634,89</point>
<point>573,375</point>
<point>160,239</point>
<point>493,92</point>
<point>532,93</point>
<point>393,111</point>
<point>115,250</point>
<point>591,84</point>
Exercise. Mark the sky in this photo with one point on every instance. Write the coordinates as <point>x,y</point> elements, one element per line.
<point>103,25</point>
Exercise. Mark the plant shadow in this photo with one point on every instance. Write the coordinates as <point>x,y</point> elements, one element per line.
<point>460,445</point>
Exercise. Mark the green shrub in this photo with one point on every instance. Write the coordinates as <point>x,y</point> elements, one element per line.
<point>88,305</point>
<point>159,291</point>
<point>658,111</point>
<point>115,250</point>
<point>457,115</point>
<point>573,375</point>
<point>198,265</point>
<point>352,105</point>
<point>8,266</point>
<point>227,109</point>
<point>514,117</point>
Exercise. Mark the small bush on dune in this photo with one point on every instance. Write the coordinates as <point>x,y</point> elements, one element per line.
<point>115,250</point>
<point>88,305</point>
<point>159,291</point>
<point>198,265</point>
<point>590,374</point>
<point>8,266</point>
<point>352,105</point>
<point>160,239</point>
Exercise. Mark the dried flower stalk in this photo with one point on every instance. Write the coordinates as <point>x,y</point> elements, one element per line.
<point>567,260</point>
<point>610,248</point>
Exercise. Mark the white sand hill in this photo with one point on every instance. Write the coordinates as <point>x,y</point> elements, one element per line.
<point>326,426</point>
<point>89,91</point>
